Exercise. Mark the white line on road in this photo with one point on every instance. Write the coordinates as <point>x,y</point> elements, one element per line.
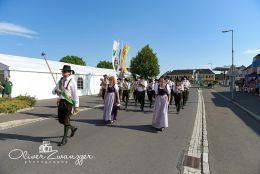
<point>15,123</point>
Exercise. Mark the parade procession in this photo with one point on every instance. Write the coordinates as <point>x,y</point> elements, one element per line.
<point>129,87</point>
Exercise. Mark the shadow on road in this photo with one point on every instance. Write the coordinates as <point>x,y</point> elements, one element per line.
<point>99,122</point>
<point>41,115</point>
<point>144,128</point>
<point>6,136</point>
<point>249,121</point>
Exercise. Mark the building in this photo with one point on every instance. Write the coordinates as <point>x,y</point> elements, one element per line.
<point>31,76</point>
<point>205,75</point>
<point>252,72</point>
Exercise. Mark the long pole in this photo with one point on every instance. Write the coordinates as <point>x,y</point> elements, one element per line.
<point>43,55</point>
<point>232,67</point>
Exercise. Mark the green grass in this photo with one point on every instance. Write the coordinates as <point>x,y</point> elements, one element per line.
<point>11,105</point>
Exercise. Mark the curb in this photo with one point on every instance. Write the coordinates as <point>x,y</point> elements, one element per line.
<point>20,110</point>
<point>255,116</point>
<point>196,160</point>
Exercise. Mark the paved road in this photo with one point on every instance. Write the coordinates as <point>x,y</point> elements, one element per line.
<point>234,137</point>
<point>129,147</point>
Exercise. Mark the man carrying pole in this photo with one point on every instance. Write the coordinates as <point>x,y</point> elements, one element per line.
<point>68,102</point>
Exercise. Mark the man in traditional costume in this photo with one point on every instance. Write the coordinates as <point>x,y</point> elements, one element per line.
<point>68,102</point>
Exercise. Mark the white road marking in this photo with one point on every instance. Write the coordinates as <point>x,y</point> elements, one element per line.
<point>15,123</point>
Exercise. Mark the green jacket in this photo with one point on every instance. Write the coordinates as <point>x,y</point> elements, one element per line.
<point>7,87</point>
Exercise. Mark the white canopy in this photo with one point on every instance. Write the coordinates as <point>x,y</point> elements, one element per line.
<point>18,63</point>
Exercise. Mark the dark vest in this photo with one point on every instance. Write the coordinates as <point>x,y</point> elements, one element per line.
<point>162,91</point>
<point>111,89</point>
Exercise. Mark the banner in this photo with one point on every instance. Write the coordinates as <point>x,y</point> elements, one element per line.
<point>123,58</point>
<point>119,57</point>
<point>115,53</point>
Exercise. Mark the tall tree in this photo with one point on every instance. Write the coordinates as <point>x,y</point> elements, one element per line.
<point>73,60</point>
<point>145,63</point>
<point>105,64</point>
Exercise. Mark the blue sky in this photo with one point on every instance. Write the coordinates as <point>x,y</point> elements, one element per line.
<point>183,33</point>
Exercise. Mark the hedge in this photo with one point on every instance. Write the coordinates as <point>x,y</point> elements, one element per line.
<point>11,105</point>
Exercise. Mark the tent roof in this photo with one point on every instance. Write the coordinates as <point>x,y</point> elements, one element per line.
<point>18,63</point>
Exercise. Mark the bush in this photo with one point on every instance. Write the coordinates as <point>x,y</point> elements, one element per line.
<point>11,105</point>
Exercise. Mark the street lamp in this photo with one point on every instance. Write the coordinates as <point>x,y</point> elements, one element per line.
<point>232,66</point>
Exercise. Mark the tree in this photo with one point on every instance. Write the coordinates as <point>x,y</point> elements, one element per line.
<point>145,63</point>
<point>105,64</point>
<point>73,60</point>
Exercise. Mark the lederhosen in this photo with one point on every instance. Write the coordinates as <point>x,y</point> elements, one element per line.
<point>111,89</point>
<point>64,110</point>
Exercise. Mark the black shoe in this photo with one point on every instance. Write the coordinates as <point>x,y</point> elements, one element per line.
<point>63,142</point>
<point>161,129</point>
<point>73,132</point>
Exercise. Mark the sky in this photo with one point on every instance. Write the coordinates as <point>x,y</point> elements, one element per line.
<point>185,34</point>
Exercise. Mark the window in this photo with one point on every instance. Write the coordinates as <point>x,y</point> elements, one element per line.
<point>80,83</point>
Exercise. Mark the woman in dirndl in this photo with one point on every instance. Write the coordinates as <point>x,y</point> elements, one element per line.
<point>160,115</point>
<point>111,102</point>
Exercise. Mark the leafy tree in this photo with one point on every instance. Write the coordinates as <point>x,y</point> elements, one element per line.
<point>73,60</point>
<point>105,64</point>
<point>145,63</point>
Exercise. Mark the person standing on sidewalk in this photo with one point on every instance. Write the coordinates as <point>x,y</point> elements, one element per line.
<point>8,85</point>
<point>68,102</point>
<point>160,115</point>
<point>111,102</point>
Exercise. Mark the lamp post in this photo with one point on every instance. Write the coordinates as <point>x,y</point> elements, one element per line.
<point>232,66</point>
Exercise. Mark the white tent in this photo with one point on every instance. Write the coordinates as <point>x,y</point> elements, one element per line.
<point>32,77</point>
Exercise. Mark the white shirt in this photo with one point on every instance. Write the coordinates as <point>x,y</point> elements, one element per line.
<point>179,89</point>
<point>72,88</point>
<point>167,87</point>
<point>150,86</point>
<point>126,86</point>
<point>186,84</point>
<point>173,85</point>
<point>142,87</point>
